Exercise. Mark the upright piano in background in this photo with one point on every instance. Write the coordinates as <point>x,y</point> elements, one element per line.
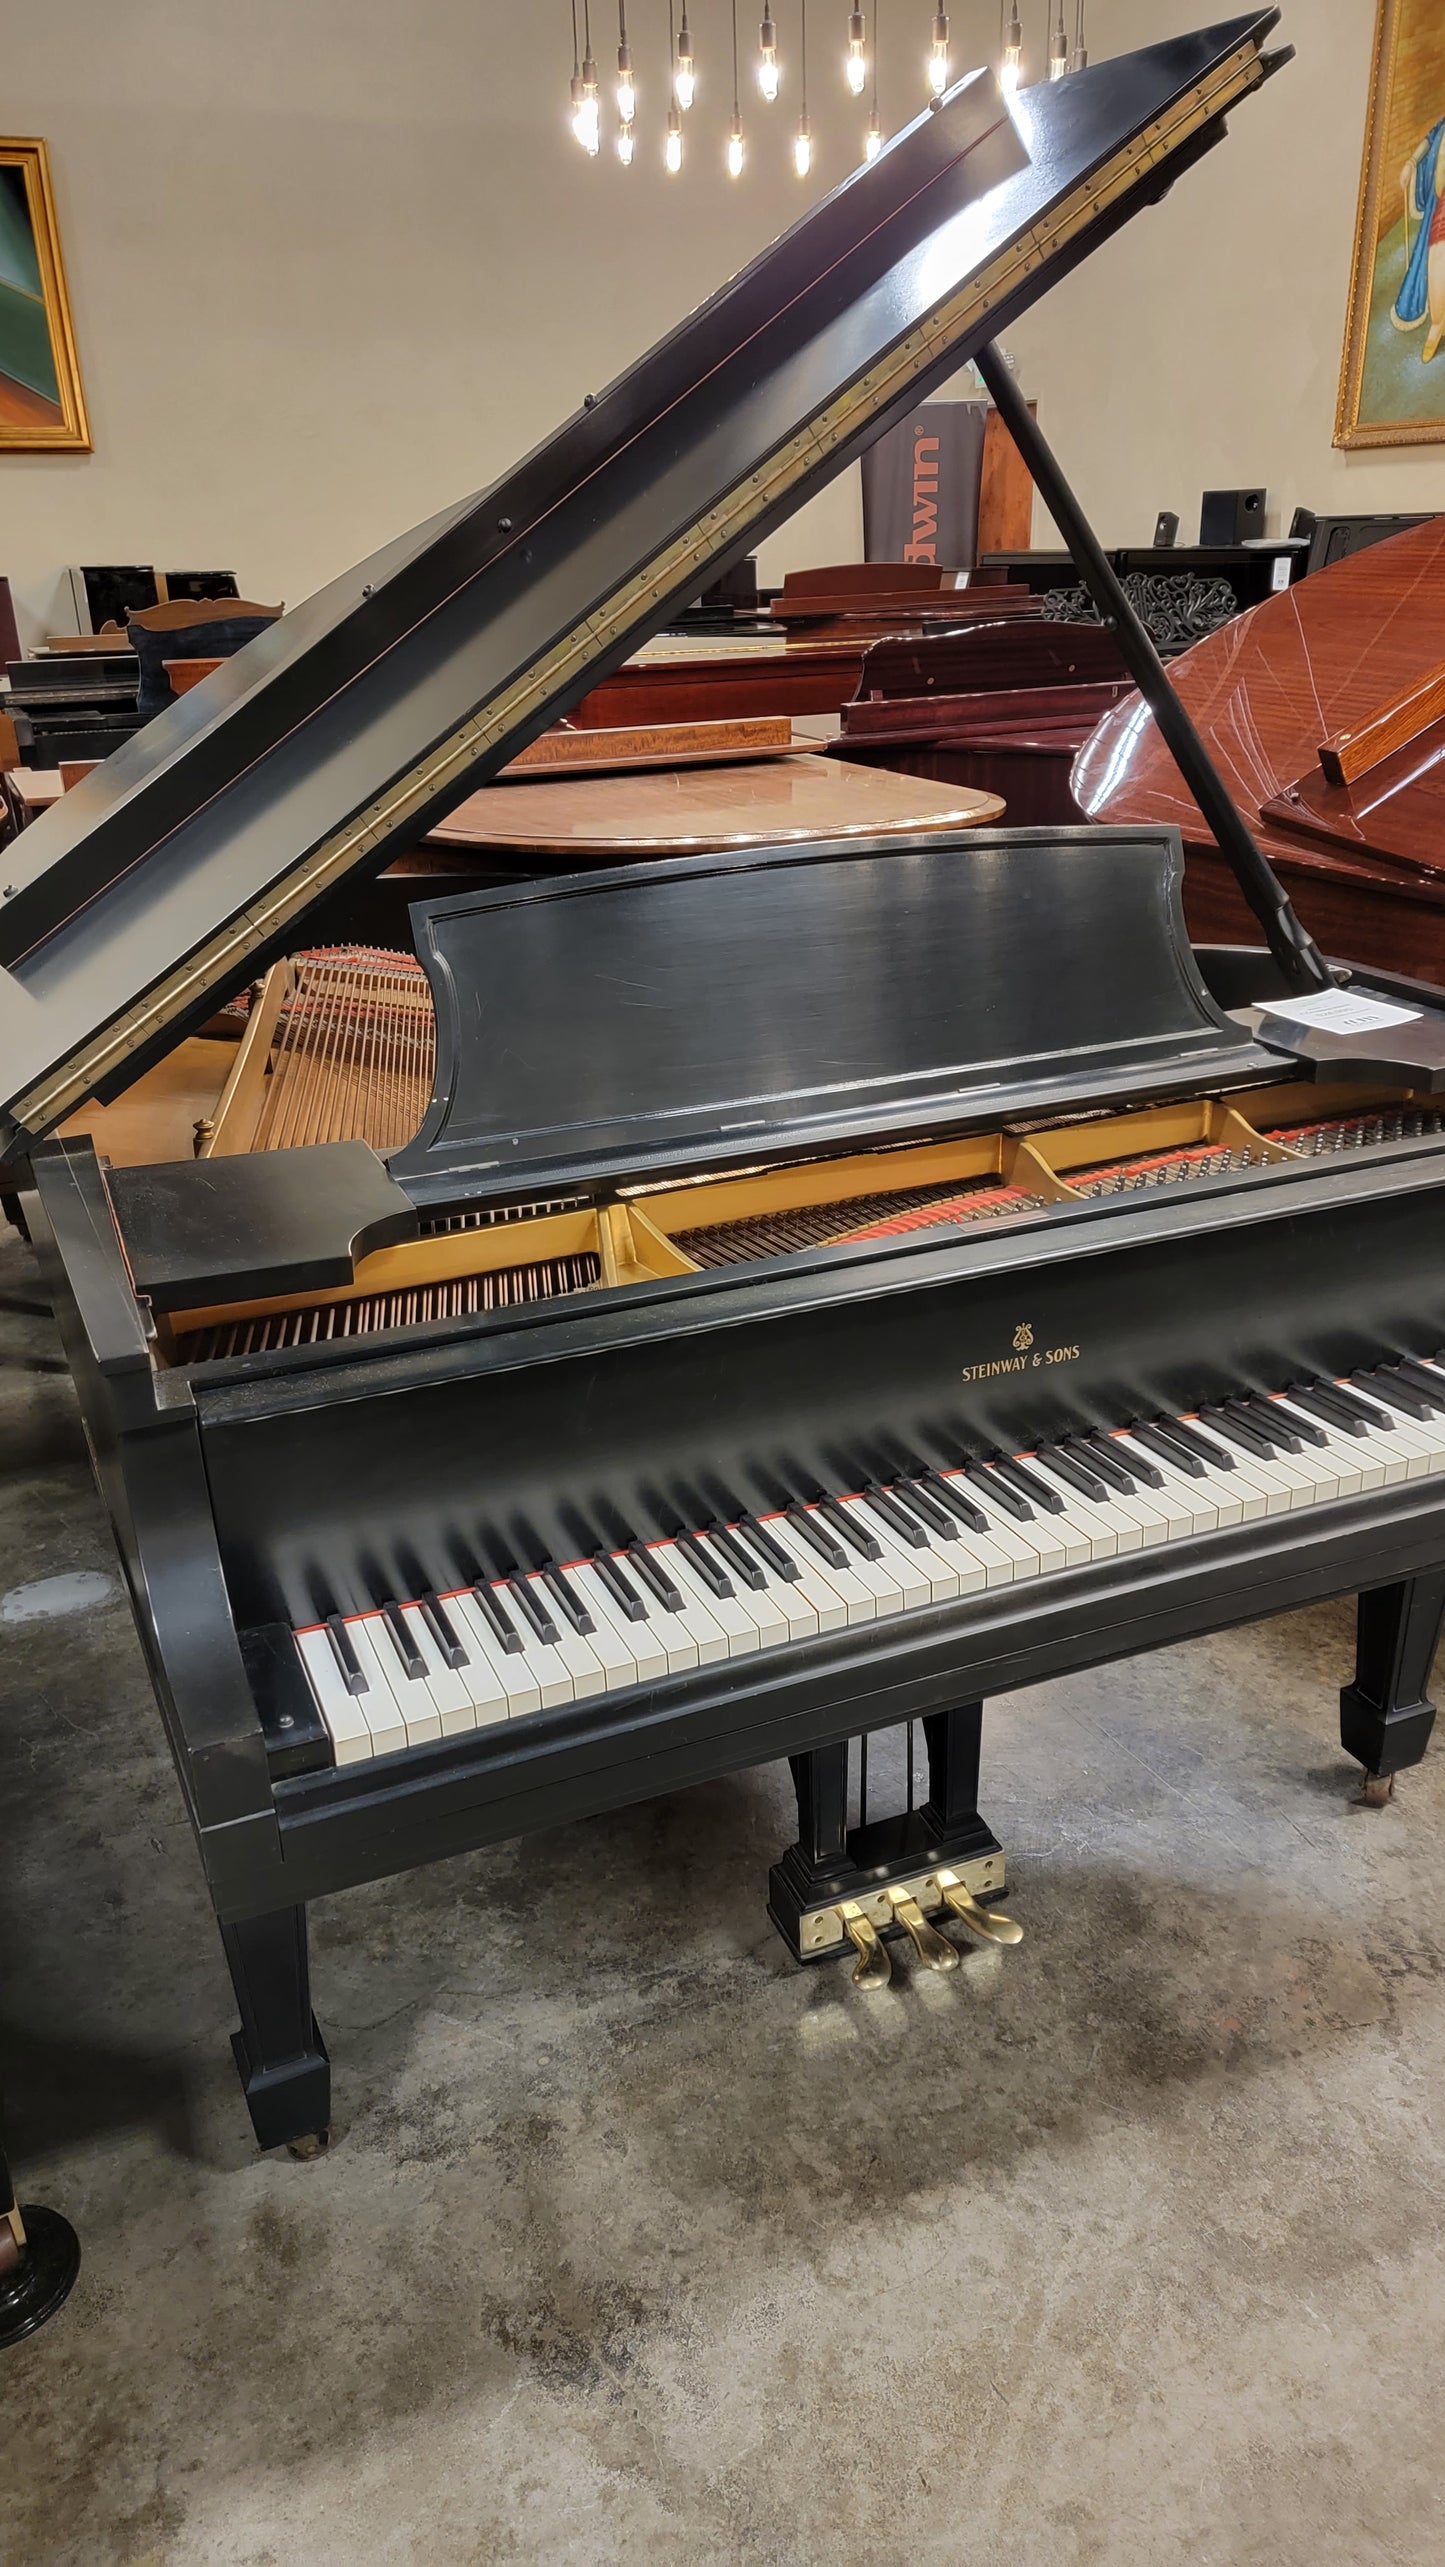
<point>828,1286</point>
<point>1324,710</point>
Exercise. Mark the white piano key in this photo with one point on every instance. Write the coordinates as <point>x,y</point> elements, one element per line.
<point>1354,1467</point>
<point>346,1723</point>
<point>812,1581</point>
<point>668,1630</point>
<point>1184,1510</point>
<point>636,1640</point>
<point>859,1600</point>
<point>505,1669</point>
<point>1005,1533</point>
<point>582,1662</point>
<point>1240,1500</point>
<point>384,1715</point>
<point>739,1630</point>
<point>1416,1435</point>
<point>897,1562</point>
<point>697,1618</point>
<point>450,1699</point>
<point>945,1568</point>
<point>1080,1511</point>
<point>757,1605</point>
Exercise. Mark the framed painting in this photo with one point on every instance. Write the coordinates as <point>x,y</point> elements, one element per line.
<point>42,407</point>
<point>1392,381</point>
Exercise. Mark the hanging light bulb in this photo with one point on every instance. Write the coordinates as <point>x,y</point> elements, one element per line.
<point>1059,48</point>
<point>626,86</point>
<point>685,79</point>
<point>672,148</point>
<point>803,147</point>
<point>938,55</point>
<point>735,152</point>
<point>855,67</point>
<point>768,55</point>
<point>1011,71</point>
<point>1081,50</point>
<point>625,144</point>
<point>873,139</point>
<point>587,124</point>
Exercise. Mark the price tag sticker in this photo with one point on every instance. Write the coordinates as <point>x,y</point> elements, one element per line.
<point>1343,1011</point>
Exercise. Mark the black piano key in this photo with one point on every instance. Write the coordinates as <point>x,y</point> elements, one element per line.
<point>919,1500</point>
<point>770,1551</point>
<point>1395,1394</point>
<point>529,1602</point>
<point>1225,1422</point>
<point>994,1485</point>
<point>1430,1384</point>
<point>1091,1452</point>
<point>446,1638</point>
<point>620,1589</point>
<point>1178,1456</point>
<point>950,1495</point>
<point>496,1617</point>
<point>1307,1432</point>
<point>851,1527</point>
<point>1279,1433</point>
<point>1064,1467</point>
<point>344,1654</point>
<point>812,1530</point>
<point>738,1557</point>
<point>699,1557</point>
<point>650,1569</point>
<point>1349,1399</point>
<point>889,1509</point>
<point>568,1604</point>
<point>1027,1483</point>
<point>1142,1472</point>
<point>412,1661</point>
<point>1208,1447</point>
<point>1341,1421</point>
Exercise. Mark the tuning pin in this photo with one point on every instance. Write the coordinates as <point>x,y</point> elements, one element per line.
<point>933,1951</point>
<point>873,1968</point>
<point>984,1921</point>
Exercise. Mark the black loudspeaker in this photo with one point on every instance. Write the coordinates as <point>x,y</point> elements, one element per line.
<point>1231,516</point>
<point>1166,530</point>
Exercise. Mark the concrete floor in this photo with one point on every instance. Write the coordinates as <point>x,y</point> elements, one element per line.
<point>638,2245</point>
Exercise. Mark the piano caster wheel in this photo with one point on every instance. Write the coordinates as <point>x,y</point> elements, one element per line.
<point>1377,1789</point>
<point>37,2278</point>
<point>310,2145</point>
<point>989,1923</point>
<point>872,1969</point>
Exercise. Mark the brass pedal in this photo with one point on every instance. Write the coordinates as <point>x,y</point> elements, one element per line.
<point>988,1923</point>
<point>872,1969</point>
<point>932,1948</point>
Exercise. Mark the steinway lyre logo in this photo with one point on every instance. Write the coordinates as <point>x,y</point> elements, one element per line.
<point>1023,1337</point>
<point>1027,1357</point>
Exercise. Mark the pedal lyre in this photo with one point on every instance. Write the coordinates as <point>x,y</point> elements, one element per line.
<point>989,1923</point>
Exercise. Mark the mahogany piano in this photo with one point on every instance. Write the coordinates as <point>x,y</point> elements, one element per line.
<point>827,1285</point>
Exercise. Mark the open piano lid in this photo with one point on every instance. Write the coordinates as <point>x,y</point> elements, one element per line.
<point>167,878</point>
<point>718,1010</point>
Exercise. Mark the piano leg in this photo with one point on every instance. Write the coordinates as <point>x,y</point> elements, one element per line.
<point>279,2050</point>
<point>940,1855</point>
<point>1385,1719</point>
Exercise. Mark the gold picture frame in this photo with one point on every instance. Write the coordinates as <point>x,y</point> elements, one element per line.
<point>42,405</point>
<point>1392,377</point>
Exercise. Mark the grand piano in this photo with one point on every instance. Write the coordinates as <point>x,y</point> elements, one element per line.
<point>828,1285</point>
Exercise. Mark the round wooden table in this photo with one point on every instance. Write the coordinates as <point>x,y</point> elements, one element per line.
<point>696,810</point>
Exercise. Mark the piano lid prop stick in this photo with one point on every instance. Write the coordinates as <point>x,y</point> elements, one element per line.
<point>1290,942</point>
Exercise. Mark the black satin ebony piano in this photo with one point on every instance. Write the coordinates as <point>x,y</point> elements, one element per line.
<point>827,1287</point>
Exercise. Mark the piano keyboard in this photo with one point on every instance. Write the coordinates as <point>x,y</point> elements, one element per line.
<point>441,1664</point>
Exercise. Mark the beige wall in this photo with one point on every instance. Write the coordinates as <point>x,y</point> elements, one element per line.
<point>334,265</point>
<point>1200,350</point>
